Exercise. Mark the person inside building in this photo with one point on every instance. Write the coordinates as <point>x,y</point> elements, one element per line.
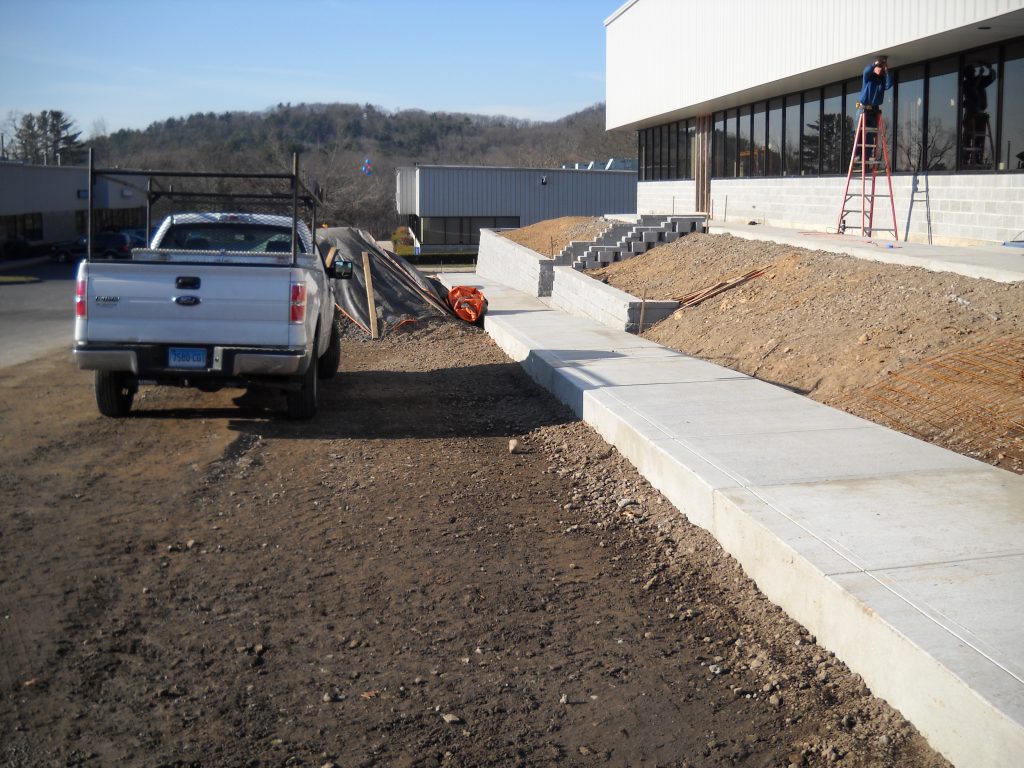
<point>877,80</point>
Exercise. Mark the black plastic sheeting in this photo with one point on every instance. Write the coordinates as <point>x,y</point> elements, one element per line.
<point>401,292</point>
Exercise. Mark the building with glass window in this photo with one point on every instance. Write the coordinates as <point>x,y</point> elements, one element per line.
<point>43,203</point>
<point>747,110</point>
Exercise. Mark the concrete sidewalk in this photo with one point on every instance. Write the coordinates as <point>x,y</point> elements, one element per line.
<point>1001,263</point>
<point>904,559</point>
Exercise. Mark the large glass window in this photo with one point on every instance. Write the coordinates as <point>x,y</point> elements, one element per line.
<point>758,139</point>
<point>666,156</point>
<point>810,138</point>
<point>774,153</point>
<point>730,144</point>
<point>681,159</point>
<point>691,149</point>
<point>659,161</point>
<point>673,151</point>
<point>833,128</point>
<point>1011,135</point>
<point>979,110</point>
<point>641,154</point>
<point>743,168</point>
<point>718,144</point>
<point>850,114</point>
<point>791,144</point>
<point>940,136</point>
<point>910,119</point>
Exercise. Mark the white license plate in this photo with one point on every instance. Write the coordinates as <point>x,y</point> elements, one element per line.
<point>186,357</point>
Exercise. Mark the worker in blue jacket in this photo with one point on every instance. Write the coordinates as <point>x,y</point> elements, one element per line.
<point>877,80</point>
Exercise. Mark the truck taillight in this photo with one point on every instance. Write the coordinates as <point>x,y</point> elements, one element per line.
<point>80,305</point>
<point>298,303</point>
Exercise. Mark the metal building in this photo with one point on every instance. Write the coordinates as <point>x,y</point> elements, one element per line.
<point>43,203</point>
<point>747,109</point>
<point>446,206</point>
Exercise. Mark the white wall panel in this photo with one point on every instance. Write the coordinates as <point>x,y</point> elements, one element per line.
<point>672,58</point>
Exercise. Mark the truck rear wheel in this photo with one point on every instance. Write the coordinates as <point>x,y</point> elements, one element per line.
<point>115,392</point>
<point>302,401</point>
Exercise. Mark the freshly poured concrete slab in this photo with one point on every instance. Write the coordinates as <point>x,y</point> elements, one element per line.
<point>988,262</point>
<point>905,559</point>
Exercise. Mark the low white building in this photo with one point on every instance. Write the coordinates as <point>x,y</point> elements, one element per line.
<point>747,110</point>
<point>446,206</point>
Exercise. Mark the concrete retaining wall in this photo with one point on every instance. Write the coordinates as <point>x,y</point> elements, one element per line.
<point>945,209</point>
<point>527,271</point>
<point>579,295</point>
<point>514,265</point>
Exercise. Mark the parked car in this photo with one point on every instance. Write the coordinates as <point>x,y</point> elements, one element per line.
<point>115,245</point>
<point>69,250</point>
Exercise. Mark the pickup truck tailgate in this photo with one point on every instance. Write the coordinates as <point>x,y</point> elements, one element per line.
<point>185,303</point>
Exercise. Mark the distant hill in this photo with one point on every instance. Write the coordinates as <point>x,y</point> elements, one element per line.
<point>335,139</point>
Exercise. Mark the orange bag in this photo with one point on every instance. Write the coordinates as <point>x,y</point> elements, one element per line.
<point>467,302</point>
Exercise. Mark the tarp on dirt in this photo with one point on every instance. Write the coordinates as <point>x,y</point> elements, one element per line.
<point>401,292</point>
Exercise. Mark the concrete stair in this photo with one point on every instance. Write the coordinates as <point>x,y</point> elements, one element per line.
<point>624,240</point>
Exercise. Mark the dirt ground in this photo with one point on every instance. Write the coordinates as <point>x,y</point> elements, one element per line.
<point>935,355</point>
<point>551,236</point>
<point>207,584</point>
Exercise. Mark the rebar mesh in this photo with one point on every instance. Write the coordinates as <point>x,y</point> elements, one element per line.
<point>970,399</point>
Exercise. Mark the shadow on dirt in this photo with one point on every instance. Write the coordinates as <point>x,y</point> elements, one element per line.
<point>493,400</point>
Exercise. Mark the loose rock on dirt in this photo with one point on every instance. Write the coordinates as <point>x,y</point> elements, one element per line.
<point>357,581</point>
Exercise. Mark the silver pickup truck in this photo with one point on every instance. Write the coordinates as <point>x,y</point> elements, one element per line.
<point>217,300</point>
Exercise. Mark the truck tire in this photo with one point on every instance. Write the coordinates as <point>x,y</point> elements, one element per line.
<point>302,401</point>
<point>332,357</point>
<point>115,392</point>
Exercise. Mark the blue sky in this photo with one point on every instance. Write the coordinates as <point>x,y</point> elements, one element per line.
<point>132,62</point>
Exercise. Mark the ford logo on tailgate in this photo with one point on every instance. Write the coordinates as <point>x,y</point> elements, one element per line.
<point>187,301</point>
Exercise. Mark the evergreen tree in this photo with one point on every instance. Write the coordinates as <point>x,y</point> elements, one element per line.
<point>49,137</point>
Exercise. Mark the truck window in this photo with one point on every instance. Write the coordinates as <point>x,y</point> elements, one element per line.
<point>230,237</point>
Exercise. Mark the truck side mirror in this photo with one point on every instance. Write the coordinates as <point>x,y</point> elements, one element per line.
<point>341,269</point>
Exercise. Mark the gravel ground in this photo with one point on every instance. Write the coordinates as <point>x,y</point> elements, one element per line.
<point>396,583</point>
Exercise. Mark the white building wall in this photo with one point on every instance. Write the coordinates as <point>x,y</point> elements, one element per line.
<point>532,194</point>
<point>677,58</point>
<point>947,209</point>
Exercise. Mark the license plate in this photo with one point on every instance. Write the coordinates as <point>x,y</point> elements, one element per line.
<point>186,357</point>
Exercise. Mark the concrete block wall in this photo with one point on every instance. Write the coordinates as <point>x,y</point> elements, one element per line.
<point>944,209</point>
<point>666,198</point>
<point>514,265</point>
<point>579,295</point>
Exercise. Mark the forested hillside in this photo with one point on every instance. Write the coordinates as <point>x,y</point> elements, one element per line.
<point>336,139</point>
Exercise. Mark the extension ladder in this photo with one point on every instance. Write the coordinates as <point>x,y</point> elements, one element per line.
<point>866,160</point>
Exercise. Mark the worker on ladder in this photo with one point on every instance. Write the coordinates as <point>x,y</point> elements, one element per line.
<point>877,80</point>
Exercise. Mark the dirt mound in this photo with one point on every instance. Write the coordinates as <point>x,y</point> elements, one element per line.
<point>550,237</point>
<point>838,329</point>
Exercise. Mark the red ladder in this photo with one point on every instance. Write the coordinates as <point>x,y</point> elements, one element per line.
<point>865,159</point>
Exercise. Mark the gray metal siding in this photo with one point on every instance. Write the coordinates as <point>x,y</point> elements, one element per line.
<point>405,190</point>
<point>467,191</point>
